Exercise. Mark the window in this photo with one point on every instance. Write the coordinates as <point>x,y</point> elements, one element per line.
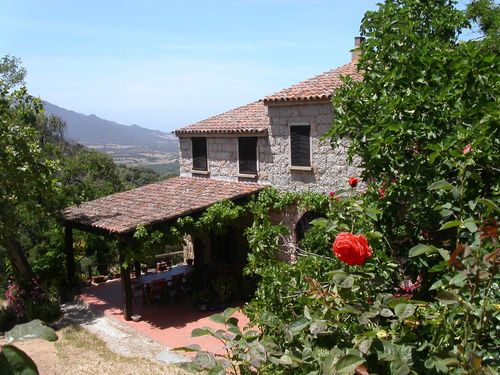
<point>247,155</point>
<point>199,154</point>
<point>300,146</point>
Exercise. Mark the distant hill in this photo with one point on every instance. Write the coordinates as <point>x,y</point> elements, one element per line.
<point>91,130</point>
<point>131,145</point>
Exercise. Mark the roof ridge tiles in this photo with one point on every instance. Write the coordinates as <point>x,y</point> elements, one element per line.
<point>252,118</point>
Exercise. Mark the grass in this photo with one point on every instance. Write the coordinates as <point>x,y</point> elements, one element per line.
<point>79,351</point>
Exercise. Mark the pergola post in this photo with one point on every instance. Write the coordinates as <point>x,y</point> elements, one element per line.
<point>126,286</point>
<point>70,254</point>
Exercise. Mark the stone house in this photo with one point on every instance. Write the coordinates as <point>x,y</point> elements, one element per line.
<point>273,141</point>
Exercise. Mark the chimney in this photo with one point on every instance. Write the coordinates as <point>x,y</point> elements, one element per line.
<point>355,53</point>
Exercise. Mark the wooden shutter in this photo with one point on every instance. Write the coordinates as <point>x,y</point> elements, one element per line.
<point>199,153</point>
<point>247,154</point>
<point>300,144</point>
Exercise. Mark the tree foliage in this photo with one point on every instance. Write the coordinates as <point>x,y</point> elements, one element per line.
<point>424,123</point>
<point>42,173</point>
<point>27,173</point>
<point>424,97</point>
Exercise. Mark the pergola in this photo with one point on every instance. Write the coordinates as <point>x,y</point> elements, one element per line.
<point>118,215</point>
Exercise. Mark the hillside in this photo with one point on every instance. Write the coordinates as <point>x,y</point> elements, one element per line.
<point>131,145</point>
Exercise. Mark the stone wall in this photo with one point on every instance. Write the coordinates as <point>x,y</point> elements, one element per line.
<point>222,158</point>
<point>329,166</point>
<point>329,170</point>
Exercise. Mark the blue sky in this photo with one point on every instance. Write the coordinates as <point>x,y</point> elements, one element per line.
<point>166,64</point>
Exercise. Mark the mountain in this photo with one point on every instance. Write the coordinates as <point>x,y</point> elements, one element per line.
<point>130,145</point>
<point>91,130</point>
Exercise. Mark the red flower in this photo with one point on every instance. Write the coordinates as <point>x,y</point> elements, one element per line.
<point>351,249</point>
<point>332,195</point>
<point>381,193</point>
<point>353,181</point>
<point>467,149</point>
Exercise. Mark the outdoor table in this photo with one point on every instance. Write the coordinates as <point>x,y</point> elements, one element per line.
<point>146,280</point>
<point>164,275</point>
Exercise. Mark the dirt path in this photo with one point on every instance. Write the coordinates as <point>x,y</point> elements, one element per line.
<point>93,344</point>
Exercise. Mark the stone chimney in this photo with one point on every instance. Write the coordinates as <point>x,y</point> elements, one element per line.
<point>355,53</point>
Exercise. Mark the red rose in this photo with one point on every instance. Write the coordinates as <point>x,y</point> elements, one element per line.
<point>353,181</point>
<point>332,195</point>
<point>467,149</point>
<point>351,249</point>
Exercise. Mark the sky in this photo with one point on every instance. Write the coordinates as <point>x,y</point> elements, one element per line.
<point>165,64</point>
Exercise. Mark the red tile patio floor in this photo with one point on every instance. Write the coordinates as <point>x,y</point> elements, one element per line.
<point>169,323</point>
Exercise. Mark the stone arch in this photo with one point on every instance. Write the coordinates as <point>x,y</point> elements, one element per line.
<point>303,224</point>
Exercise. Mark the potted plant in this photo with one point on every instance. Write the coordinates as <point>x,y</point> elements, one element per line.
<point>223,287</point>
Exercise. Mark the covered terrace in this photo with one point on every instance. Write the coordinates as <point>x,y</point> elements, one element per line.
<point>118,215</point>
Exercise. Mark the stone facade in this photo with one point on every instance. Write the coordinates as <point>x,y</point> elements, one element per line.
<point>329,169</point>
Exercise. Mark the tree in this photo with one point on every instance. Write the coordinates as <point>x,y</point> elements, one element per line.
<point>11,72</point>
<point>424,97</point>
<point>26,173</point>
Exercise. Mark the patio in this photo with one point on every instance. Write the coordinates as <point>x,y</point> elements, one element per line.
<point>117,216</point>
<point>168,323</point>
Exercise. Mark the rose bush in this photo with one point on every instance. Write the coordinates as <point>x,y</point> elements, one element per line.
<point>351,249</point>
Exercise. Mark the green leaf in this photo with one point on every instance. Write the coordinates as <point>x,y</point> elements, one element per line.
<point>386,313</point>
<point>36,329</point>
<point>16,362</point>
<point>472,205</point>
<point>348,282</point>
<point>298,325</point>
<point>421,249</point>
<point>450,224</point>
<point>329,364</point>
<point>398,367</point>
<point>441,185</point>
<point>445,254</point>
<point>439,267</point>
<point>458,279</point>
<point>436,285</point>
<point>317,327</point>
<point>489,203</point>
<point>205,360</point>
<point>286,360</point>
<point>250,335</point>
<point>470,225</point>
<point>197,332</point>
<point>348,363</point>
<point>307,313</point>
<point>218,318</point>
<point>404,310</point>
<point>447,298</point>
<point>229,312</point>
<point>235,330</point>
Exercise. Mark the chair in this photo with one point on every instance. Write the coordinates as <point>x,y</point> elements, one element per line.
<point>175,287</point>
<point>188,283</point>
<point>157,288</point>
<point>138,291</point>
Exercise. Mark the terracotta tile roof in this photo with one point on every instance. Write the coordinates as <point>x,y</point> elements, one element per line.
<point>155,203</point>
<point>320,87</point>
<point>251,118</point>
